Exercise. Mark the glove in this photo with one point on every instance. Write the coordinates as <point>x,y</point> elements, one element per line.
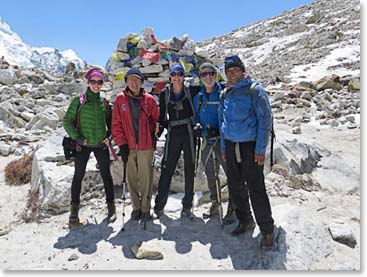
<point>160,131</point>
<point>124,152</point>
<point>81,141</point>
<point>213,132</point>
<point>196,131</point>
<point>154,140</point>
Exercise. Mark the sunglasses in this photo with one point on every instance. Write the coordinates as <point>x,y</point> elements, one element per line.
<point>208,73</point>
<point>96,82</point>
<point>177,74</point>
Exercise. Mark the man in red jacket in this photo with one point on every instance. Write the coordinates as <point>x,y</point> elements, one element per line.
<point>134,120</point>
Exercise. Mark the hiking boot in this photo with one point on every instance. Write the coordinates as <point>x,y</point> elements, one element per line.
<point>186,212</point>
<point>214,209</point>
<point>159,213</point>
<point>111,212</point>
<point>230,217</point>
<point>243,227</point>
<point>74,217</point>
<point>267,241</point>
<point>135,215</point>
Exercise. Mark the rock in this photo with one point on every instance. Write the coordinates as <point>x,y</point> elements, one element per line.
<point>278,96</point>
<point>295,94</point>
<point>143,251</point>
<point>350,118</point>
<point>122,56</point>
<point>277,104</point>
<point>354,85</point>
<point>155,68</point>
<point>7,76</point>
<point>38,93</point>
<point>351,125</point>
<point>329,82</point>
<point>306,95</point>
<point>296,130</point>
<point>4,231</point>
<point>343,235</point>
<point>47,118</point>
<point>122,45</point>
<point>73,257</point>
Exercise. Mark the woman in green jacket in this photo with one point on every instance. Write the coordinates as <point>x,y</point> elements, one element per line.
<point>91,135</point>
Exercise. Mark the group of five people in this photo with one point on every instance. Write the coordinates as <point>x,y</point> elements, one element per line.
<point>231,120</point>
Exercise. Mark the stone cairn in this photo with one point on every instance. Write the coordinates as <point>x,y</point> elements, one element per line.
<point>154,58</point>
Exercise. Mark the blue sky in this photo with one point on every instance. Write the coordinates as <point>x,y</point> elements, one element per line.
<point>93,28</point>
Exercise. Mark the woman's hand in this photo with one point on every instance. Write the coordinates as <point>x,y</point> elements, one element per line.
<point>106,141</point>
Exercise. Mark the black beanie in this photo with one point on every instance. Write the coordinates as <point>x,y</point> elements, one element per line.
<point>233,61</point>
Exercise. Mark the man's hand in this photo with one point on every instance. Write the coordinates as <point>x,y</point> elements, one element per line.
<point>259,159</point>
<point>159,132</point>
<point>213,132</point>
<point>224,157</point>
<point>124,152</point>
<point>196,131</point>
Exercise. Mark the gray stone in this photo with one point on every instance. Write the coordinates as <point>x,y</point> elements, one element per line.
<point>350,118</point>
<point>296,130</point>
<point>342,234</point>
<point>7,76</point>
<point>155,68</point>
<point>351,125</point>
<point>73,257</point>
<point>122,45</point>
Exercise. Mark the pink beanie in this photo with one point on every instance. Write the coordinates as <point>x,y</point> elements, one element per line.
<point>94,72</point>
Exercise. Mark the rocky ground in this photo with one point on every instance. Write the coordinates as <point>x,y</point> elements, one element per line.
<point>303,240</point>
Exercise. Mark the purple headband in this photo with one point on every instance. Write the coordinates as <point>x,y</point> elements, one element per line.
<point>94,72</point>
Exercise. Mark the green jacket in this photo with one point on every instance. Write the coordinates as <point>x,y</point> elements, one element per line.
<point>92,123</point>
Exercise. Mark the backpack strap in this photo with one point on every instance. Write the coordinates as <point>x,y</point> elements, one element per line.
<point>108,114</point>
<point>188,96</point>
<point>82,101</point>
<point>252,87</point>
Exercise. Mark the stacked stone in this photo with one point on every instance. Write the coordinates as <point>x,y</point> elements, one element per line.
<point>154,58</point>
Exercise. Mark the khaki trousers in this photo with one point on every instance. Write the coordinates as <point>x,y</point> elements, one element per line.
<point>140,176</point>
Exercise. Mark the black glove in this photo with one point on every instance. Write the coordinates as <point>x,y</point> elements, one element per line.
<point>80,140</point>
<point>213,132</point>
<point>196,131</point>
<point>124,152</point>
<point>154,140</point>
<point>160,131</point>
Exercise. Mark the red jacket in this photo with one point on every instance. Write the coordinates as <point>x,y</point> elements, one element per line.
<point>122,127</point>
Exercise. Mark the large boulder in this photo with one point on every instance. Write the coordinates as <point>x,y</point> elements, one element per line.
<point>7,76</point>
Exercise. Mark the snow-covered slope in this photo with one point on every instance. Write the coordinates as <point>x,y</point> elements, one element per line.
<point>15,51</point>
<point>306,43</point>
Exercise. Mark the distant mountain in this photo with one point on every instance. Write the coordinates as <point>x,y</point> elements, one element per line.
<point>306,43</point>
<point>15,51</point>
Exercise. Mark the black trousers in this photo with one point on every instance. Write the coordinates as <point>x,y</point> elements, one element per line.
<point>247,178</point>
<point>177,142</point>
<point>103,159</point>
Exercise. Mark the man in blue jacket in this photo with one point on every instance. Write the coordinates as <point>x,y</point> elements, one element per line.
<point>245,125</point>
<point>206,104</point>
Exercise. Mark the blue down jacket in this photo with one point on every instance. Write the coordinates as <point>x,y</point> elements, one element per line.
<point>243,117</point>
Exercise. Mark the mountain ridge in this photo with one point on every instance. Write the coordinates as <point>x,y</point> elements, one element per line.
<point>17,52</point>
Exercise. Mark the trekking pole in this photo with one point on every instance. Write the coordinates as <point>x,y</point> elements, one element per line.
<point>123,196</point>
<point>197,152</point>
<point>219,196</point>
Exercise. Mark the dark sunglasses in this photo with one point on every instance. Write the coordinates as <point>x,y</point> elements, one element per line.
<point>208,73</point>
<point>95,82</point>
<point>179,74</point>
